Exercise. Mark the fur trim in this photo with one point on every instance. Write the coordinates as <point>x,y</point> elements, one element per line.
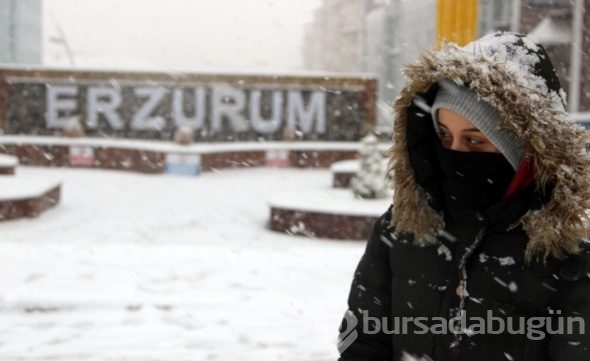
<point>556,143</point>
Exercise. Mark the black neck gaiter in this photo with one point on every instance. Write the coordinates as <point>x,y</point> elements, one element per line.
<point>472,180</point>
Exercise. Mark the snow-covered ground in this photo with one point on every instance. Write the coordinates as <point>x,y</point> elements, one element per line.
<point>160,267</point>
<point>8,161</point>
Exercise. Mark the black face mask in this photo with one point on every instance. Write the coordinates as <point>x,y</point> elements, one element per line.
<point>472,180</point>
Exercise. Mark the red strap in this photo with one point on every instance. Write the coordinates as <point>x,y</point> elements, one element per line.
<point>525,174</point>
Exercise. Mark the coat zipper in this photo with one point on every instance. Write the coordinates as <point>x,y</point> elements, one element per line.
<point>462,288</point>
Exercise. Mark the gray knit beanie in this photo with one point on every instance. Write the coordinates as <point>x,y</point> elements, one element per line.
<point>466,102</point>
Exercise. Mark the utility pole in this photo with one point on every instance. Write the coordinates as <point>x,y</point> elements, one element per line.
<point>516,9</point>
<point>391,49</point>
<point>576,56</point>
<point>362,39</point>
<point>12,32</point>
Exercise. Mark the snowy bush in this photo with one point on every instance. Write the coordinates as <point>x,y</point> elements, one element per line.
<point>183,136</point>
<point>74,129</point>
<point>370,182</point>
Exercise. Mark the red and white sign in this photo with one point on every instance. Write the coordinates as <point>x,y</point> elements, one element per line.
<point>277,158</point>
<point>81,156</point>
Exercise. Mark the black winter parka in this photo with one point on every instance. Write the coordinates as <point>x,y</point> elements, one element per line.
<point>523,263</point>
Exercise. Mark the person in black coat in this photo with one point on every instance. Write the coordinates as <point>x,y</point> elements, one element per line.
<point>483,253</point>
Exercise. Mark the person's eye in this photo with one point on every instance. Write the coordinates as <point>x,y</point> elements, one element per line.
<point>474,141</point>
<point>442,135</point>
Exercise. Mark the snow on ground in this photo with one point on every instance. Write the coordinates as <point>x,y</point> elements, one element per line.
<point>8,161</point>
<point>161,267</point>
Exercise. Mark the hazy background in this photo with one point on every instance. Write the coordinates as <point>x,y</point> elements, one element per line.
<point>177,34</point>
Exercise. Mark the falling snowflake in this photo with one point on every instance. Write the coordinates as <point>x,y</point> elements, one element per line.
<point>513,287</point>
<point>442,249</point>
<point>506,261</point>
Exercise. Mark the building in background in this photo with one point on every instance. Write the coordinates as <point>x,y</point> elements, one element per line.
<point>374,36</point>
<point>413,29</point>
<point>335,38</point>
<point>553,24</point>
<point>495,15</point>
<point>20,31</point>
<point>380,36</point>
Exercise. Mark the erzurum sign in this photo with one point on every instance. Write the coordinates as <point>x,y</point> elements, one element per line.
<point>214,107</point>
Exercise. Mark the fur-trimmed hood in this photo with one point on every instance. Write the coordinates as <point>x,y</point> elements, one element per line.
<point>514,75</point>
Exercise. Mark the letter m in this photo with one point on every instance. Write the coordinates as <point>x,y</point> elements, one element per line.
<point>298,113</point>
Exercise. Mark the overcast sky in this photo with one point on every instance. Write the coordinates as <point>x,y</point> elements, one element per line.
<point>178,34</point>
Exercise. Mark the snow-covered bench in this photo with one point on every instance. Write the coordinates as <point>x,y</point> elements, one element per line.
<point>27,197</point>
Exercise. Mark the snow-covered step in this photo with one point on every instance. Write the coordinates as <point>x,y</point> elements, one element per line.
<point>326,213</point>
<point>343,171</point>
<point>27,197</point>
<point>8,164</point>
